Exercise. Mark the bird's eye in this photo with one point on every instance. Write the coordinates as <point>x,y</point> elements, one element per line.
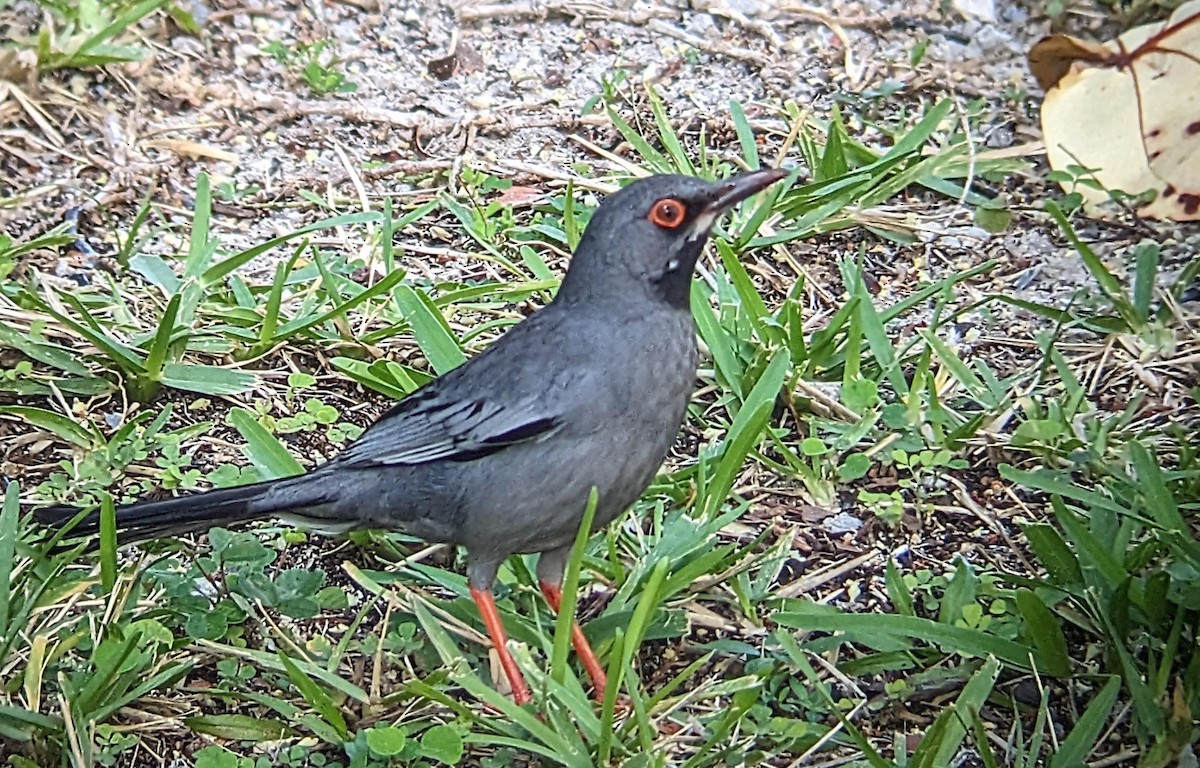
<point>668,213</point>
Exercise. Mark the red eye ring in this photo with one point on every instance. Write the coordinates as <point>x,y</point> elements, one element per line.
<point>668,213</point>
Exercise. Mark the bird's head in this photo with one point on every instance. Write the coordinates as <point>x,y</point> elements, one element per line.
<point>648,236</point>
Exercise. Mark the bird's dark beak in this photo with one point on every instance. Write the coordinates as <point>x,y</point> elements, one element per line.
<point>726,194</point>
<point>737,189</point>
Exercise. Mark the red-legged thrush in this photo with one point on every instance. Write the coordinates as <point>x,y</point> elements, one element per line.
<point>500,455</point>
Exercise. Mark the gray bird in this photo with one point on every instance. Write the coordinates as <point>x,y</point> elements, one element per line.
<point>500,454</point>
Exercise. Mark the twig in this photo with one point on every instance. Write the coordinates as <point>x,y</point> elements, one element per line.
<point>758,26</point>
<point>710,46</point>
<point>812,581</point>
<point>579,9</point>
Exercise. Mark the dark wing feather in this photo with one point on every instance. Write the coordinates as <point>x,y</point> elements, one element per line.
<point>505,396</point>
<point>431,425</point>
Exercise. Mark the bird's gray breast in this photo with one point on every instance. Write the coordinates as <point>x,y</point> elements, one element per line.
<point>618,423</point>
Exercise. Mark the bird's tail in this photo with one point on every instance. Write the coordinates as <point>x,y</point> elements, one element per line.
<point>170,517</point>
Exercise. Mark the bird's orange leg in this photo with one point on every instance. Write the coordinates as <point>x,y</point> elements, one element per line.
<point>495,629</point>
<point>583,649</point>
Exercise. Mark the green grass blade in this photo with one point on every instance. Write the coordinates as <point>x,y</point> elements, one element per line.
<point>271,310</point>
<point>608,707</point>
<point>646,604</point>
<point>1145,276</point>
<point>915,138</point>
<point>161,346</point>
<point>657,161</point>
<point>413,216</point>
<point>157,271</point>
<point>1053,483</point>
<point>108,543</point>
<point>754,307</point>
<point>1054,555</point>
<point>222,269</point>
<point>963,374</point>
<point>122,22</point>
<point>268,455</point>
<point>303,324</point>
<point>918,298</point>
<point>834,163</point>
<point>680,158</point>
<point>48,353</point>
<point>123,356</point>
<point>55,423</point>
<point>17,722</point>
<point>944,738</point>
<point>1079,743</point>
<point>1094,551</point>
<point>384,376</point>
<point>201,246</point>
<point>869,629</point>
<point>745,134</point>
<point>329,283</point>
<point>1108,283</point>
<point>317,698</point>
<point>10,514</point>
<point>898,591</point>
<point>107,668</point>
<point>1152,485</point>
<point>872,327</point>
<point>208,379</point>
<point>240,727</point>
<point>270,661</point>
<point>1146,706</point>
<point>720,344</point>
<point>163,679</point>
<point>430,329</point>
<point>1037,734</point>
<point>1046,632</point>
<point>570,596</point>
<point>746,431</point>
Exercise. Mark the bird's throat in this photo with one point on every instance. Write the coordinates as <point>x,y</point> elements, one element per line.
<point>674,284</point>
<point>674,288</point>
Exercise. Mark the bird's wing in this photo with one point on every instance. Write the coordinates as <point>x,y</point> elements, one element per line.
<point>433,425</point>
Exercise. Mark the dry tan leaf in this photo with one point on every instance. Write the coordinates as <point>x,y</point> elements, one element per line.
<point>193,149</point>
<point>18,66</point>
<point>1052,57</point>
<point>1129,110</point>
<point>517,196</point>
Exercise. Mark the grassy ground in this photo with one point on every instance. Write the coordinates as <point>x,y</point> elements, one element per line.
<point>918,516</point>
